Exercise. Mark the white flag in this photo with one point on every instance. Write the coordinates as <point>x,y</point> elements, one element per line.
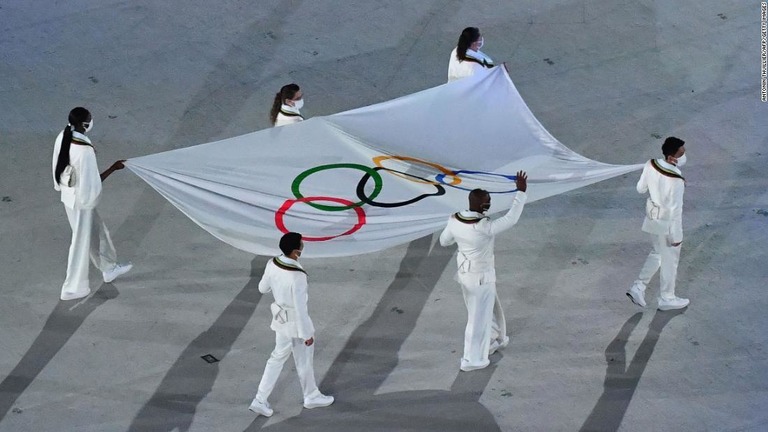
<point>374,177</point>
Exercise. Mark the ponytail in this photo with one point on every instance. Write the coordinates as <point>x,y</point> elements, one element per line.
<point>286,92</point>
<point>63,158</point>
<point>467,38</point>
<point>77,116</point>
<point>276,104</point>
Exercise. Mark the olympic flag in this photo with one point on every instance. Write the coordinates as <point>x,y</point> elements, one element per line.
<point>374,177</point>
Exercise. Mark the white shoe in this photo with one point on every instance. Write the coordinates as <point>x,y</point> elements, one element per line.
<point>318,401</point>
<point>675,303</point>
<point>466,366</point>
<point>497,345</point>
<point>637,295</point>
<point>75,296</point>
<point>117,270</point>
<point>493,347</point>
<point>261,408</point>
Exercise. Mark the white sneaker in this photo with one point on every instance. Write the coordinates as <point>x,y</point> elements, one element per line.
<point>467,367</point>
<point>318,401</point>
<point>637,295</point>
<point>117,270</point>
<point>497,345</point>
<point>75,296</point>
<point>675,303</point>
<point>261,408</point>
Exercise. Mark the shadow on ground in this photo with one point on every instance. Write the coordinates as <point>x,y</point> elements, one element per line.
<point>63,322</point>
<point>621,380</point>
<point>371,354</point>
<point>190,379</point>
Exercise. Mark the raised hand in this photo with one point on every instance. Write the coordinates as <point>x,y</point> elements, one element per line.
<point>521,181</point>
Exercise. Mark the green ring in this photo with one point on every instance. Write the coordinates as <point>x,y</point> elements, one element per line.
<point>370,171</point>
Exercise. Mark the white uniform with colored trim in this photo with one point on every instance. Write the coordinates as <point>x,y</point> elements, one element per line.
<point>474,233</point>
<point>664,222</point>
<point>458,69</point>
<point>288,115</point>
<point>287,281</point>
<point>80,193</point>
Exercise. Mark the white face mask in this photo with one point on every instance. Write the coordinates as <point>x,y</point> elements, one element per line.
<point>298,104</point>
<point>681,161</point>
<point>89,127</point>
<point>480,43</point>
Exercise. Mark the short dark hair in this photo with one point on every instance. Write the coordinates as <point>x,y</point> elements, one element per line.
<point>478,193</point>
<point>671,146</point>
<point>290,242</point>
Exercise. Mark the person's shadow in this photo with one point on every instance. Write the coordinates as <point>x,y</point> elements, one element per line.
<point>621,381</point>
<point>190,379</point>
<point>61,324</point>
<point>371,354</point>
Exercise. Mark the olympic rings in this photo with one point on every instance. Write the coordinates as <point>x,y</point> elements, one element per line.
<point>441,177</point>
<point>280,213</point>
<point>370,201</point>
<point>369,172</point>
<point>456,180</point>
<point>345,204</point>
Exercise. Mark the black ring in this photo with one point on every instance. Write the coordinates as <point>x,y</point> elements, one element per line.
<point>363,181</point>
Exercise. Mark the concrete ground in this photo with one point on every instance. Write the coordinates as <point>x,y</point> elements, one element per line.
<point>609,78</point>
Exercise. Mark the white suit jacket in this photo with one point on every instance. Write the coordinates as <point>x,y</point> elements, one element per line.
<point>664,208</point>
<point>474,233</point>
<point>288,115</point>
<point>476,60</point>
<point>86,190</point>
<point>287,281</point>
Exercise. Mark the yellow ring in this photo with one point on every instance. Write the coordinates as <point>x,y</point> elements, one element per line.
<point>379,159</point>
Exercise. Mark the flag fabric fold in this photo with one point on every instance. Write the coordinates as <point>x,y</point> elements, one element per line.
<point>374,177</point>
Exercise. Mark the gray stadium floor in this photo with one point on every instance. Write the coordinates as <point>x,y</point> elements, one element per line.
<point>608,78</point>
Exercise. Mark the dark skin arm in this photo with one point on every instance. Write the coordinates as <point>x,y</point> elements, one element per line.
<point>115,167</point>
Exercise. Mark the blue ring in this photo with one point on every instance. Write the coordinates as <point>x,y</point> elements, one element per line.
<point>441,177</point>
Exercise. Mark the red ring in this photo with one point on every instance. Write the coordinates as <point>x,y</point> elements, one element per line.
<point>290,202</point>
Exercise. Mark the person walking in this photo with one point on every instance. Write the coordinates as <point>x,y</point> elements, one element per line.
<point>474,234</point>
<point>663,181</point>
<point>76,176</point>
<point>286,279</point>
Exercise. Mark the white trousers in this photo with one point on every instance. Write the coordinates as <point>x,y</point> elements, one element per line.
<point>485,324</point>
<point>303,356</point>
<point>665,257</point>
<point>90,240</point>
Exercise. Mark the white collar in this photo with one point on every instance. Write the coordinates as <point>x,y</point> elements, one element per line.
<point>478,55</point>
<point>471,213</point>
<point>285,260</point>
<point>289,109</point>
<point>81,137</point>
<point>667,165</point>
